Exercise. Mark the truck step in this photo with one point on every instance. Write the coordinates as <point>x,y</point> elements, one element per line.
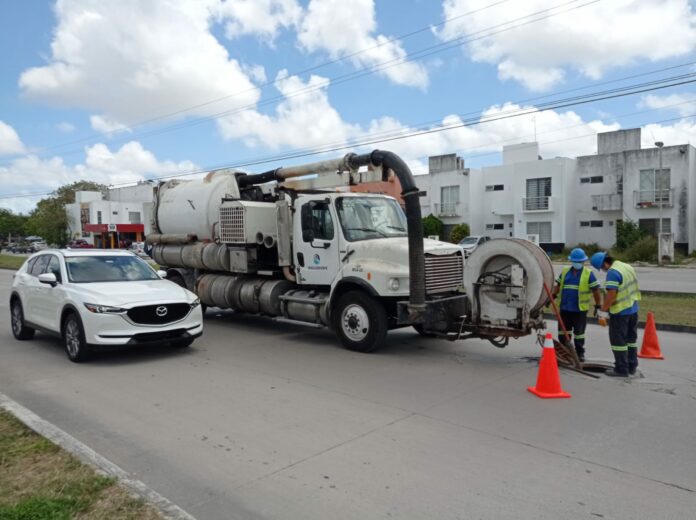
<point>298,322</point>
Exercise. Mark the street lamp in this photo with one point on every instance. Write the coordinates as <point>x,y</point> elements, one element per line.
<point>659,145</point>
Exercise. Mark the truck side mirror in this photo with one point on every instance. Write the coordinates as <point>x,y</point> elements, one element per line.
<point>308,235</point>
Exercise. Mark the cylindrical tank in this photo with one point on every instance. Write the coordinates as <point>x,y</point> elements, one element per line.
<point>168,255</point>
<point>216,257</point>
<point>192,255</point>
<point>255,295</point>
<point>307,306</point>
<point>269,296</point>
<point>185,207</point>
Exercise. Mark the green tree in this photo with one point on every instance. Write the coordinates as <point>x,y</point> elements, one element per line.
<point>49,219</point>
<point>432,226</point>
<point>11,224</point>
<point>627,234</point>
<point>459,233</point>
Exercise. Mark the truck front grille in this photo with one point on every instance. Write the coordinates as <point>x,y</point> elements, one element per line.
<point>158,314</point>
<point>232,229</point>
<point>443,273</point>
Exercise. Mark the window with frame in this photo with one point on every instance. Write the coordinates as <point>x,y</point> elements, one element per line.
<point>650,225</point>
<point>449,199</point>
<point>596,223</point>
<point>54,267</point>
<point>495,226</point>
<point>316,216</point>
<point>654,185</point>
<point>543,229</point>
<point>495,187</point>
<point>134,217</point>
<point>538,193</point>
<point>584,223</point>
<point>99,217</point>
<point>40,265</point>
<point>584,180</point>
<point>597,179</point>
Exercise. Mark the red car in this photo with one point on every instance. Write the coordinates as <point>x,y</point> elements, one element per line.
<point>79,244</point>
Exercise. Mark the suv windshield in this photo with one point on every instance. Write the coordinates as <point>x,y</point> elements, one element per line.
<point>85,269</point>
<point>468,241</point>
<point>364,218</point>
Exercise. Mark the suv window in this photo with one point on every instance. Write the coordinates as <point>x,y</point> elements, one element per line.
<point>54,267</point>
<point>30,264</point>
<point>40,265</point>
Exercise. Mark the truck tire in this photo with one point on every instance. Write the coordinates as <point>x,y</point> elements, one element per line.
<point>360,321</point>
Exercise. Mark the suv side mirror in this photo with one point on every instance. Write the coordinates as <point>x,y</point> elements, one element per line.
<point>162,274</point>
<point>48,278</point>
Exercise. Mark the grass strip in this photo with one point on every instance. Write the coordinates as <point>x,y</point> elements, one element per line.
<point>38,480</point>
<point>673,309</point>
<point>11,261</point>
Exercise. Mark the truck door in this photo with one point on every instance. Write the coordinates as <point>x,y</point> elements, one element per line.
<point>315,241</point>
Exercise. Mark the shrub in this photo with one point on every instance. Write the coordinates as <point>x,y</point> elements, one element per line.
<point>590,249</point>
<point>432,226</point>
<point>459,232</point>
<point>627,234</point>
<point>643,250</point>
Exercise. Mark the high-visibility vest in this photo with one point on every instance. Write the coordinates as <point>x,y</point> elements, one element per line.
<point>583,289</point>
<point>628,292</point>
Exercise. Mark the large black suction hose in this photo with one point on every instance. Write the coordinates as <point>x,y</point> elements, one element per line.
<point>416,255</point>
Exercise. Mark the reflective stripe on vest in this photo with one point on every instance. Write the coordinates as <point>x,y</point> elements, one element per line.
<point>627,293</point>
<point>583,289</point>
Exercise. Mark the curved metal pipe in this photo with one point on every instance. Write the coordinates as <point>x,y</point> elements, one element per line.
<point>410,193</point>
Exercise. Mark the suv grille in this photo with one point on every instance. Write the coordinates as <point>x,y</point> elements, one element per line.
<point>443,273</point>
<point>154,315</point>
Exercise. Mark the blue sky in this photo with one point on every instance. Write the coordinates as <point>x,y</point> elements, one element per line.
<point>80,76</point>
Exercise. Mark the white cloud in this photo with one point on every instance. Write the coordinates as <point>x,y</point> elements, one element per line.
<point>681,132</point>
<point>130,163</point>
<point>344,27</point>
<point>589,40</point>
<point>683,104</point>
<point>131,60</point>
<point>65,127</point>
<point>10,143</point>
<point>301,120</point>
<point>106,125</point>
<point>263,18</point>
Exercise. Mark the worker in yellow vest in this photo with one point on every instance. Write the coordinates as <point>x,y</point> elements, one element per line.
<point>572,293</point>
<point>620,308</point>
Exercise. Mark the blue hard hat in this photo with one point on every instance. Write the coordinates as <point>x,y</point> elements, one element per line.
<point>577,255</point>
<point>597,259</point>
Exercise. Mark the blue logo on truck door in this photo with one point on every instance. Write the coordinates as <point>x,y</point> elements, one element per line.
<point>317,259</point>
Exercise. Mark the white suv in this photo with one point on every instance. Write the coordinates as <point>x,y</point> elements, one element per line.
<point>95,299</point>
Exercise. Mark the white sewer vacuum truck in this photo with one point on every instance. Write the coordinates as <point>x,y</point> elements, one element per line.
<point>294,245</point>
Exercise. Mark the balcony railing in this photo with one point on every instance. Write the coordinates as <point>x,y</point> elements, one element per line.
<point>654,198</point>
<point>609,202</point>
<point>448,209</point>
<point>537,204</point>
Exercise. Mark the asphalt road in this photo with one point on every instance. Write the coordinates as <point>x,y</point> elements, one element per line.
<point>273,421</point>
<point>666,279</point>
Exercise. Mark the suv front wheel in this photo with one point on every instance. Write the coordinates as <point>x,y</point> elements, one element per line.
<point>74,339</point>
<point>19,327</point>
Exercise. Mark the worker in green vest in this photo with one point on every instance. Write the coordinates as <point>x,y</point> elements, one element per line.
<point>572,293</point>
<point>620,308</point>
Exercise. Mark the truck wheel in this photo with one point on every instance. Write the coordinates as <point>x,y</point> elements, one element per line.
<point>74,339</point>
<point>19,328</point>
<point>360,321</point>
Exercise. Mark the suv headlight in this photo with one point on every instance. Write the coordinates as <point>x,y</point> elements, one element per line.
<point>195,303</point>
<point>104,309</point>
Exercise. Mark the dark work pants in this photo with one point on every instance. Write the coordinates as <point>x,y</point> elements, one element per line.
<point>575,323</point>
<point>623,335</point>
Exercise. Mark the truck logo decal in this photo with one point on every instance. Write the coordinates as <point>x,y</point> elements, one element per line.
<point>317,259</point>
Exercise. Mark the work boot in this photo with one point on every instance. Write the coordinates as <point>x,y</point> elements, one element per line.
<point>620,364</point>
<point>632,358</point>
<point>581,353</point>
<point>613,373</point>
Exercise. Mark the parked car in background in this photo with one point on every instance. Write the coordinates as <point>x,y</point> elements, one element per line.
<point>470,243</point>
<point>38,245</point>
<point>79,244</point>
<point>96,299</point>
<point>138,248</point>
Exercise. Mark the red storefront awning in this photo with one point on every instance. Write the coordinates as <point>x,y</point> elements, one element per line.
<point>116,228</point>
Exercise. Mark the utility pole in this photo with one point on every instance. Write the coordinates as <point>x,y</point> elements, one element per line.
<point>659,145</point>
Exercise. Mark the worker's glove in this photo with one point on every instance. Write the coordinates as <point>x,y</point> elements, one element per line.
<point>596,310</point>
<point>602,318</point>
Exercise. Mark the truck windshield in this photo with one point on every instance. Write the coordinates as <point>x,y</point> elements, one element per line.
<point>364,218</point>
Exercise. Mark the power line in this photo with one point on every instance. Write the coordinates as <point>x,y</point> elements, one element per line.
<point>578,100</point>
<point>449,44</point>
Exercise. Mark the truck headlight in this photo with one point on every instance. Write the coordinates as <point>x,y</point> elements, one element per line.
<point>104,309</point>
<point>394,284</point>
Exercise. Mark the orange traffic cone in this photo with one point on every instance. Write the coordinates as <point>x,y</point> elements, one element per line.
<point>650,348</point>
<point>548,385</point>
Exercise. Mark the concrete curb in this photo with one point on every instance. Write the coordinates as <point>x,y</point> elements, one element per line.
<point>667,327</point>
<point>87,455</point>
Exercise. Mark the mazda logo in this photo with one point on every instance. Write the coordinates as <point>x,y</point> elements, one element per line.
<point>161,311</point>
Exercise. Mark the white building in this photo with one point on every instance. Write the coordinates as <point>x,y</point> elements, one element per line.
<point>105,220</point>
<point>569,201</point>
